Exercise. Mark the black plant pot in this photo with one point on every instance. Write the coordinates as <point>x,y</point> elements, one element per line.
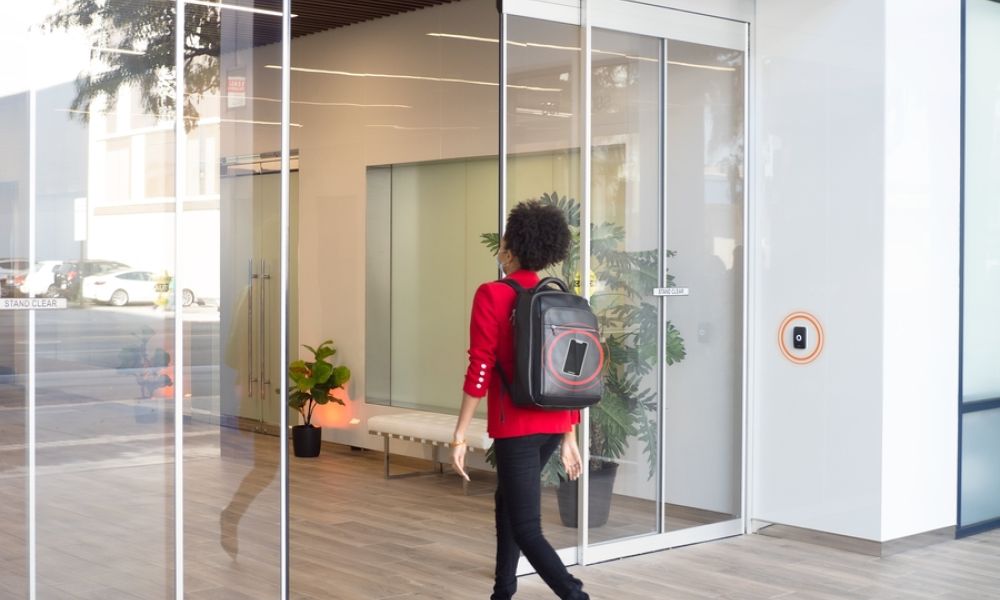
<point>306,440</point>
<point>602,483</point>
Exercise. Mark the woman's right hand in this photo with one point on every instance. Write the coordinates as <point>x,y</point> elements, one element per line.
<point>458,451</point>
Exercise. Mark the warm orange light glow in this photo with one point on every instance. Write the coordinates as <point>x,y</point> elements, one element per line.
<point>334,415</point>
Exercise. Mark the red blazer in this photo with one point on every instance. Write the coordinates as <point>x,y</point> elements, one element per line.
<point>491,339</point>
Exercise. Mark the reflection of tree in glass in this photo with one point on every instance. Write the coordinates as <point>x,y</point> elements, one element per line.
<point>133,44</point>
<point>623,281</point>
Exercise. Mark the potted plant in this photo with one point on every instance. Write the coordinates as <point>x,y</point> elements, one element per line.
<point>151,370</point>
<point>621,281</point>
<point>313,382</point>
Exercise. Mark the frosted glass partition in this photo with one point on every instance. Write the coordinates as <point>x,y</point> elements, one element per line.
<point>426,253</point>
<point>979,469</point>
<point>439,211</point>
<point>378,220</point>
<point>981,335</point>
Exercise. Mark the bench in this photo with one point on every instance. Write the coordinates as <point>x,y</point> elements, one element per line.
<point>426,428</point>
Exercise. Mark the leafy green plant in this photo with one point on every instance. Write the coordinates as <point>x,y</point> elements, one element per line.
<point>313,381</point>
<point>621,284</point>
<point>149,367</point>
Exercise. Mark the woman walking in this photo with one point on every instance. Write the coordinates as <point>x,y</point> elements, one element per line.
<point>536,237</point>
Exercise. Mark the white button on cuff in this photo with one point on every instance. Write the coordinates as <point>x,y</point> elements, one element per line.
<point>479,386</point>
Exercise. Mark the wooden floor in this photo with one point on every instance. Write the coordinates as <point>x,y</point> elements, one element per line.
<point>105,531</point>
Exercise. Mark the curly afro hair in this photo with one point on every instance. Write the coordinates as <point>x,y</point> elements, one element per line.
<point>537,234</point>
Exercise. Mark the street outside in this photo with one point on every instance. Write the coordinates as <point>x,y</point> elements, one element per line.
<point>84,398</point>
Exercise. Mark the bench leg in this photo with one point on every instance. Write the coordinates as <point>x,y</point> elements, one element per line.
<point>386,459</point>
<point>437,470</point>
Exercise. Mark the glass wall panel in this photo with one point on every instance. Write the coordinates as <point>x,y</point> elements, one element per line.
<point>104,253</point>
<point>980,454</point>
<point>231,279</point>
<point>14,337</point>
<point>626,72</point>
<point>415,170</point>
<point>395,120</point>
<point>106,363</point>
<point>543,117</point>
<point>703,394</point>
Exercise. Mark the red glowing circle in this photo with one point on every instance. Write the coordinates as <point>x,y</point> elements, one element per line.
<point>600,363</point>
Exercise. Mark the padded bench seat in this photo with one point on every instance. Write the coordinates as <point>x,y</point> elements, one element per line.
<point>434,429</point>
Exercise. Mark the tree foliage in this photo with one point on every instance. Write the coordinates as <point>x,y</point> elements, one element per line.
<point>134,45</point>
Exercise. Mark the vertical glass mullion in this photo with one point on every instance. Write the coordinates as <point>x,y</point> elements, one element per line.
<point>583,498</point>
<point>961,274</point>
<point>283,288</point>
<point>502,164</point>
<point>661,405</point>
<point>180,192</point>
<point>32,475</point>
<point>748,240</point>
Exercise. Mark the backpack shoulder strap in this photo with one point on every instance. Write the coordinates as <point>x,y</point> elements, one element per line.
<point>517,287</point>
<point>552,281</point>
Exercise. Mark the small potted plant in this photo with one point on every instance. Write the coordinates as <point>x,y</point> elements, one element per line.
<point>151,370</point>
<point>312,384</point>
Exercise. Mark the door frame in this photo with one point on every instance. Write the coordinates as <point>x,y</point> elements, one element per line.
<point>614,14</point>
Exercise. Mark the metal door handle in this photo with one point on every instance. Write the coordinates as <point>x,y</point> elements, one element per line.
<point>671,291</point>
<point>250,378</point>
<point>265,381</point>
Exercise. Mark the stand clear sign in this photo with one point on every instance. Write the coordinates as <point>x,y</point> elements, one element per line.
<point>32,303</point>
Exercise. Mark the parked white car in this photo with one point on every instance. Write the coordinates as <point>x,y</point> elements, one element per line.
<point>119,288</point>
<point>127,286</point>
<point>40,278</point>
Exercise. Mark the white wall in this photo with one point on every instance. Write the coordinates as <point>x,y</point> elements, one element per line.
<point>922,152</point>
<point>857,222</point>
<point>819,220</point>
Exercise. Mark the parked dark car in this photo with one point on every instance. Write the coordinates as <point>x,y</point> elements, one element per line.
<point>12,272</point>
<point>68,276</point>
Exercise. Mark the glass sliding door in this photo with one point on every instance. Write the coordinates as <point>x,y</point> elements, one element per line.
<point>703,392</point>
<point>122,476</point>
<point>626,159</point>
<point>667,208</point>
<point>661,213</point>
<point>979,467</point>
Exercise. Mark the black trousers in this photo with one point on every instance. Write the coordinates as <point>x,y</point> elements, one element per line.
<point>519,521</point>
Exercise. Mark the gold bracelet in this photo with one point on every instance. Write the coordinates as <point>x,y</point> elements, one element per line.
<point>457,443</point>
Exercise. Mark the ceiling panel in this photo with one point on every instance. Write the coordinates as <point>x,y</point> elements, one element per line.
<point>319,15</point>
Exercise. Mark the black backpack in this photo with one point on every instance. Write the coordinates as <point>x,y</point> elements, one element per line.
<point>558,355</point>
